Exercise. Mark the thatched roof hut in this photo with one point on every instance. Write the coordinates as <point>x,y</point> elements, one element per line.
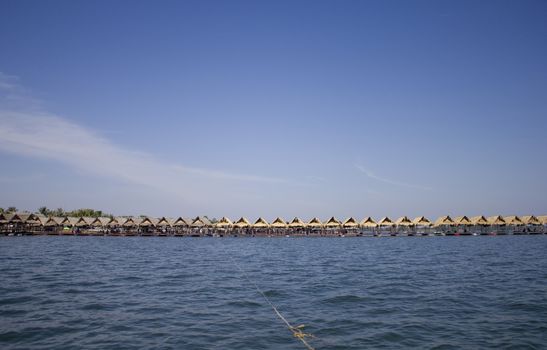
<point>385,221</point>
<point>201,221</point>
<point>61,220</point>
<point>444,221</point>
<point>479,220</point>
<point>422,221</point>
<point>114,222</point>
<point>496,220</point>
<point>313,223</point>
<point>120,221</point>
<point>42,219</point>
<point>242,223</point>
<point>530,220</point>
<point>46,221</point>
<point>403,221</point>
<point>279,223</point>
<point>138,220</point>
<point>180,222</point>
<point>76,221</point>
<point>462,221</point>
<point>163,222</point>
<point>368,222</point>
<point>296,223</point>
<point>198,222</point>
<point>89,220</point>
<point>261,223</point>
<point>21,218</point>
<point>332,223</point>
<point>13,218</point>
<point>131,221</point>
<point>224,222</point>
<point>71,221</point>
<point>104,221</point>
<point>350,223</point>
<point>513,220</point>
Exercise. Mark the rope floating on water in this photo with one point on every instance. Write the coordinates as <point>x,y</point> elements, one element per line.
<point>297,331</point>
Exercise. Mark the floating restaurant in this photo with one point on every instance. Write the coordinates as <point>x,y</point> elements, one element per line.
<point>36,224</point>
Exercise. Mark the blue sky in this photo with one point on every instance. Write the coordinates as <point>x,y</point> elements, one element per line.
<point>297,108</point>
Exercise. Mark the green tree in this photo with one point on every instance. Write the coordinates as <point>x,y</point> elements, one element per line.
<point>86,212</point>
<point>44,211</point>
<point>58,212</point>
<point>12,209</point>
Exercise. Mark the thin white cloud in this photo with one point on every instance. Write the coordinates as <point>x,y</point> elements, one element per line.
<point>34,133</point>
<point>48,136</point>
<point>373,176</point>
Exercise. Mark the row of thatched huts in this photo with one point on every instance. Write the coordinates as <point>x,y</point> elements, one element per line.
<point>27,223</point>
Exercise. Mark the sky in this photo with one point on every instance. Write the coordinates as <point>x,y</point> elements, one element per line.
<point>275,108</point>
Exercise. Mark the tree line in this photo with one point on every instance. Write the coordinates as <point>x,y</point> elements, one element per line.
<point>61,212</point>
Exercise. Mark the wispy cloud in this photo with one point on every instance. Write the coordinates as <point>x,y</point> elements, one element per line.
<point>36,133</point>
<point>373,176</point>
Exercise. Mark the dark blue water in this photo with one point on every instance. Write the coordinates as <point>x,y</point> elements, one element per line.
<point>352,293</point>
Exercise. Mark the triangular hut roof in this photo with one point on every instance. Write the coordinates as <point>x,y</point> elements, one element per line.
<point>114,221</point>
<point>513,220</point>
<point>530,220</point>
<point>421,221</point>
<point>350,222</point>
<point>479,220</point>
<point>49,222</point>
<point>260,222</point>
<point>198,222</point>
<point>163,221</point>
<point>385,221</point>
<point>75,221</point>
<point>131,221</point>
<point>61,220</point>
<point>496,220</point>
<point>120,220</point>
<point>543,219</point>
<point>30,219</point>
<point>24,217</point>
<point>462,220</point>
<point>368,222</point>
<point>89,220</point>
<point>279,223</point>
<point>42,219</point>
<point>296,223</point>
<point>444,220</point>
<point>180,221</point>
<point>242,222</point>
<point>144,221</point>
<point>315,222</point>
<point>14,218</point>
<point>332,222</point>
<point>224,222</point>
<point>105,220</point>
<point>403,221</point>
<point>96,222</point>
<point>138,220</point>
<point>205,220</point>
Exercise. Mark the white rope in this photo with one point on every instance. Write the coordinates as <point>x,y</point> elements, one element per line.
<point>297,331</point>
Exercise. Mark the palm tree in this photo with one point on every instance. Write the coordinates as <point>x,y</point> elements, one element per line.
<point>44,211</point>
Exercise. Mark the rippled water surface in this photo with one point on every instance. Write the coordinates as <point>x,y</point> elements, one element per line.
<point>352,293</point>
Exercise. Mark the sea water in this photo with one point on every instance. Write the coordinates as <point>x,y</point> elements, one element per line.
<point>351,293</point>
